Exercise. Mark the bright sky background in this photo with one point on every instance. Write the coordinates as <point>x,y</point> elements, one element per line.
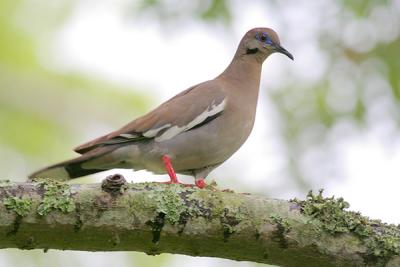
<point>97,41</point>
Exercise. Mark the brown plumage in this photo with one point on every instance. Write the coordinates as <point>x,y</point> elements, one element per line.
<point>197,129</point>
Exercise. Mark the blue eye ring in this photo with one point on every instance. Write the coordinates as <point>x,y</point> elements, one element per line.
<point>264,37</point>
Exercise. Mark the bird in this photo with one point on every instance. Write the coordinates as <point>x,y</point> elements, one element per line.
<point>192,133</point>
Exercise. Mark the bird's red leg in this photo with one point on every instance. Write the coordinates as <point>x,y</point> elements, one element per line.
<point>170,170</point>
<point>172,174</point>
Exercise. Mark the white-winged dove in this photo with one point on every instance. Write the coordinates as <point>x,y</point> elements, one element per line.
<point>191,133</point>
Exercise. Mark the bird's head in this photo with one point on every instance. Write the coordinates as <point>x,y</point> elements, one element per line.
<point>262,42</point>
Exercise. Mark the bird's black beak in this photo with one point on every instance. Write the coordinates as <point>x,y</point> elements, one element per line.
<point>282,50</point>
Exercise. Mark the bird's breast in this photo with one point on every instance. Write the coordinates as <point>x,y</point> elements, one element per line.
<point>211,143</point>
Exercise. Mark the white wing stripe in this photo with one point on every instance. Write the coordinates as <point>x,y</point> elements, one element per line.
<point>175,130</point>
<point>129,136</point>
<point>154,132</point>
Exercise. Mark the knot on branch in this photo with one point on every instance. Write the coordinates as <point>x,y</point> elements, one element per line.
<point>113,183</point>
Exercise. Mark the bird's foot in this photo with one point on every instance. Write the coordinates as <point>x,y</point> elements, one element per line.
<point>172,175</point>
<point>170,182</point>
<point>200,183</point>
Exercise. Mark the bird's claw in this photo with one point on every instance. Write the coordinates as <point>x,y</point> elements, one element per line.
<point>200,183</point>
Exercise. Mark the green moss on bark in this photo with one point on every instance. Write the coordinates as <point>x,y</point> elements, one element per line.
<point>381,240</point>
<point>56,197</point>
<point>21,206</point>
<point>170,202</point>
<point>157,218</point>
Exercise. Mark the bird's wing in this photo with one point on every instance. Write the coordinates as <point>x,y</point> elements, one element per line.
<point>190,109</point>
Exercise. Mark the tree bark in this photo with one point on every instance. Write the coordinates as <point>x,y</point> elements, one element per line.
<point>159,218</point>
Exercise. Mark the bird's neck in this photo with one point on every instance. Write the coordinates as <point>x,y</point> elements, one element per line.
<point>242,78</point>
<point>245,70</point>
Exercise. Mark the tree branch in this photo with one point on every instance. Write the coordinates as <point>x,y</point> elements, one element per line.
<point>157,218</point>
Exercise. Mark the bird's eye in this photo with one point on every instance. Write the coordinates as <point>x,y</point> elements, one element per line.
<point>263,38</point>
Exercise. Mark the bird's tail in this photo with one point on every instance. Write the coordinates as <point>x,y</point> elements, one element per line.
<point>73,168</point>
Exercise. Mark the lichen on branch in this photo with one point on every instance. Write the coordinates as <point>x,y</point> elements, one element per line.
<point>381,240</point>
<point>159,218</point>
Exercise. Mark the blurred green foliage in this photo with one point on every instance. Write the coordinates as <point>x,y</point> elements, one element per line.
<point>359,81</point>
<point>39,106</point>
<point>16,49</point>
<point>211,11</point>
<point>43,111</point>
<point>357,90</point>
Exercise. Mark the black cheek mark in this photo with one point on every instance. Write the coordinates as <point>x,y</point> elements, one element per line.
<point>251,50</point>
